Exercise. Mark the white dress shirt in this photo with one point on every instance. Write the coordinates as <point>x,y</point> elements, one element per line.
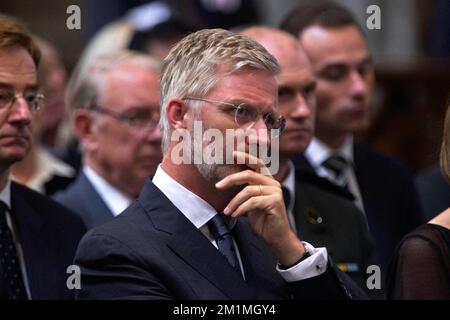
<point>199,212</point>
<point>47,166</point>
<point>318,152</point>
<point>5,196</point>
<point>114,199</point>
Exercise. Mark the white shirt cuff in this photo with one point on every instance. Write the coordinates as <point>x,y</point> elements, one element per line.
<point>312,266</point>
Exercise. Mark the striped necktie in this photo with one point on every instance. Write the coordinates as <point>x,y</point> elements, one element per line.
<point>337,165</point>
<point>222,234</point>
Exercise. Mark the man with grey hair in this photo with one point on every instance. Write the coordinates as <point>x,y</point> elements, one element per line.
<point>115,107</point>
<point>186,236</point>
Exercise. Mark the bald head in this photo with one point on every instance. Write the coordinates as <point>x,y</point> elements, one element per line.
<point>296,84</point>
<point>282,45</point>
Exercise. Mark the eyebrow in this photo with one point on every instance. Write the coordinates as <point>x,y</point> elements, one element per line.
<point>366,60</point>
<point>309,83</point>
<point>32,86</point>
<point>264,110</point>
<point>6,85</point>
<point>142,108</point>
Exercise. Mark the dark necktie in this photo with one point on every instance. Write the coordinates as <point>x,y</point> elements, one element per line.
<point>11,281</point>
<point>286,197</point>
<point>337,165</point>
<point>222,234</point>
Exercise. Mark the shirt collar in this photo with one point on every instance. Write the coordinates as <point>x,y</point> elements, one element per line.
<point>48,166</point>
<point>194,208</point>
<point>317,151</point>
<point>5,194</point>
<point>114,199</point>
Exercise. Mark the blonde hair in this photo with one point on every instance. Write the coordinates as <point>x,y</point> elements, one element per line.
<point>445,147</point>
<point>196,63</point>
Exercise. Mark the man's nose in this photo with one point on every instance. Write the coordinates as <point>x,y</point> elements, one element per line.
<point>358,85</point>
<point>260,133</point>
<point>302,108</point>
<point>20,111</point>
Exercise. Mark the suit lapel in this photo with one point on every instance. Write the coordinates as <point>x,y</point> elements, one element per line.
<point>94,205</point>
<point>362,173</point>
<point>32,229</point>
<point>259,266</point>
<point>191,246</point>
<point>300,162</point>
<point>196,250</point>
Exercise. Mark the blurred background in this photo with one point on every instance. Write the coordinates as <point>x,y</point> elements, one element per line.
<point>411,51</point>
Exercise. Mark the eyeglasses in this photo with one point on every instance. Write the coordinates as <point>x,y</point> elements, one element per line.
<point>246,116</point>
<point>137,122</point>
<point>35,101</point>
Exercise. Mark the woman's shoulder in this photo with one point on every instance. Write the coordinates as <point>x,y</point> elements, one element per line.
<point>427,239</point>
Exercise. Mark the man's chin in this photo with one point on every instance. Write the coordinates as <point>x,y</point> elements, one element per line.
<point>228,169</point>
<point>10,159</point>
<point>13,154</point>
<point>216,172</point>
<point>359,127</point>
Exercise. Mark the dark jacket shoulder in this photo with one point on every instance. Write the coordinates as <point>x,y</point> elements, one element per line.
<point>46,207</point>
<point>49,234</point>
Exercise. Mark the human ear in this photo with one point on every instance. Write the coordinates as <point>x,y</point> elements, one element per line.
<point>83,123</point>
<point>178,114</point>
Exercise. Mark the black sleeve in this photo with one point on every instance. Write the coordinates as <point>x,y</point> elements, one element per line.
<point>111,270</point>
<point>419,271</point>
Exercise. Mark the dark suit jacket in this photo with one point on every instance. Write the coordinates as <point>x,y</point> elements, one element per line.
<point>389,197</point>
<point>152,251</point>
<point>325,216</point>
<point>49,234</point>
<point>82,198</point>
<point>434,192</point>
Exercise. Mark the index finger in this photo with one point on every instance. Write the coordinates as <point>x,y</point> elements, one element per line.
<point>246,177</point>
<point>252,162</point>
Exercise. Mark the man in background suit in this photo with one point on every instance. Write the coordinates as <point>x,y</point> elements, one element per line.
<point>38,237</point>
<point>115,113</point>
<point>186,236</point>
<point>382,187</point>
<point>318,210</point>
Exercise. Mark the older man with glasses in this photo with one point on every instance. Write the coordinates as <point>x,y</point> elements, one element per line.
<point>115,107</point>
